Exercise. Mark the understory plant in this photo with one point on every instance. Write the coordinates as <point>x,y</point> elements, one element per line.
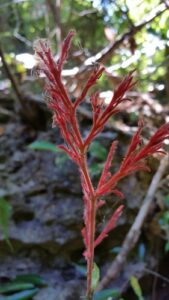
<point>76,146</point>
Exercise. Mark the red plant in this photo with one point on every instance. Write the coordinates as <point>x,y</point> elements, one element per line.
<point>64,115</point>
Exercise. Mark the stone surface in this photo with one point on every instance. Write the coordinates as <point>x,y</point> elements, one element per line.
<point>45,227</point>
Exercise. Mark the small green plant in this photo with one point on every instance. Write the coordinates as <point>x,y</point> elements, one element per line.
<point>115,250</point>
<point>47,146</point>
<point>5,214</point>
<point>96,151</point>
<point>44,146</point>
<point>164,223</point>
<point>99,153</point>
<point>136,287</point>
<point>106,294</point>
<point>23,287</point>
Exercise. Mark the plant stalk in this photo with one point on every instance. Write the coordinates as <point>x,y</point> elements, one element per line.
<point>91,227</point>
<point>90,260</point>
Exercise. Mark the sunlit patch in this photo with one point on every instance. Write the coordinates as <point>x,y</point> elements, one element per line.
<point>106,97</point>
<point>27,59</point>
<point>160,87</point>
<point>5,84</point>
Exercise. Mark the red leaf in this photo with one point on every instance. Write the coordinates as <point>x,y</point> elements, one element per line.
<point>65,49</point>
<point>110,225</point>
<point>105,173</point>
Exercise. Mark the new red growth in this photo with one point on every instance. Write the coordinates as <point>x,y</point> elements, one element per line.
<point>64,115</point>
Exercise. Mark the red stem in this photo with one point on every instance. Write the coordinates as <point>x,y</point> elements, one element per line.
<point>76,130</point>
<point>91,226</point>
<point>92,219</point>
<point>90,260</point>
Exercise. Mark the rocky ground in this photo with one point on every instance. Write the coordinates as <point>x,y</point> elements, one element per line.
<point>47,215</point>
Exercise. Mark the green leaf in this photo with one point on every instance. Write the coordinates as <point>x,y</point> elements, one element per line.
<point>96,168</point>
<point>24,295</point>
<point>5,214</point>
<point>97,150</point>
<point>105,294</point>
<point>141,251</point>
<point>81,269</point>
<point>115,250</point>
<point>60,159</point>
<point>14,286</point>
<point>166,200</point>
<point>136,287</point>
<point>167,247</point>
<point>44,146</point>
<point>95,276</point>
<point>164,220</point>
<point>31,278</point>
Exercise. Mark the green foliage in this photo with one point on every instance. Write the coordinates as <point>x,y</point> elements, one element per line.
<point>136,287</point>
<point>81,269</point>
<point>166,247</point>
<point>25,21</point>
<point>106,294</point>
<point>141,251</point>
<point>31,278</point>
<point>22,287</point>
<point>98,151</point>
<point>15,286</point>
<point>61,159</point>
<point>24,295</point>
<point>166,201</point>
<point>96,168</point>
<point>71,17</point>
<point>164,220</point>
<point>115,250</point>
<point>5,214</point>
<point>47,146</point>
<point>44,146</point>
<point>95,276</point>
<point>164,223</point>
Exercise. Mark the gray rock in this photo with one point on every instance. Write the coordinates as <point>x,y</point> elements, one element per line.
<point>71,290</point>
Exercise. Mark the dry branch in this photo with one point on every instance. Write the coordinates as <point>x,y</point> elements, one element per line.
<point>105,53</point>
<point>11,78</point>
<point>55,6</point>
<point>81,73</point>
<point>28,111</point>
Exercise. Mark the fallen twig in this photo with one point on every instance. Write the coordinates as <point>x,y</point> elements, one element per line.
<point>156,274</point>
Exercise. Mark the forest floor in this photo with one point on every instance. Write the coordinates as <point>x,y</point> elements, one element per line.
<point>43,189</point>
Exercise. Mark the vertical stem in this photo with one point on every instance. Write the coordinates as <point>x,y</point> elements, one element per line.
<point>78,135</point>
<point>93,202</point>
<point>90,260</point>
<point>91,226</point>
